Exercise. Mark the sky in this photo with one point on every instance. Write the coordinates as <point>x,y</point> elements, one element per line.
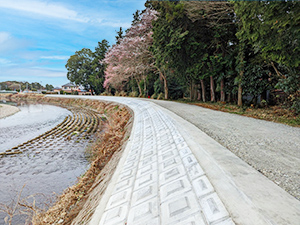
<point>37,37</point>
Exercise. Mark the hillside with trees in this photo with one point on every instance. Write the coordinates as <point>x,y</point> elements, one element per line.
<point>16,85</point>
<point>240,52</point>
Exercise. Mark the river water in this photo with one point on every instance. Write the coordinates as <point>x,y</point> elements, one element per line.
<point>42,170</point>
<point>31,121</point>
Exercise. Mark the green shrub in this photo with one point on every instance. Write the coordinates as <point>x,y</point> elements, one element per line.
<point>133,94</point>
<point>296,106</point>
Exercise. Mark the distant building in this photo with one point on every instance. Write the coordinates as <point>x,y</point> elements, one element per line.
<point>70,87</point>
<point>57,89</point>
<point>84,92</point>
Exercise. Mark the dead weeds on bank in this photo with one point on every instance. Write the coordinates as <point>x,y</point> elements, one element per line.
<point>276,114</point>
<point>24,207</point>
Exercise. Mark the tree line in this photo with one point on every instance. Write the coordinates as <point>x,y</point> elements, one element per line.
<point>237,51</point>
<point>16,85</point>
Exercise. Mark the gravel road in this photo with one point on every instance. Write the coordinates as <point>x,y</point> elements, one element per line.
<point>271,148</point>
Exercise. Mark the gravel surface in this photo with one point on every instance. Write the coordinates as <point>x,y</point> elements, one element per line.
<point>271,148</point>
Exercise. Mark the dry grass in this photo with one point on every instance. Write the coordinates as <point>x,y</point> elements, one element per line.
<point>276,114</point>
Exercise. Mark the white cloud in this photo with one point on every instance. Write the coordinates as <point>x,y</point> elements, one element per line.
<point>8,42</point>
<point>59,11</point>
<point>53,10</point>
<point>113,23</point>
<point>56,57</point>
<point>4,61</point>
<point>4,36</point>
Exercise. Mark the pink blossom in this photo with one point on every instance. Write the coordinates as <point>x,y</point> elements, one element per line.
<point>131,58</point>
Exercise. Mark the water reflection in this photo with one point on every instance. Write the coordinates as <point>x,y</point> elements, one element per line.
<point>31,121</point>
<point>47,166</point>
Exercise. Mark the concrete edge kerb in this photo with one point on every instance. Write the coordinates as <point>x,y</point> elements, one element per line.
<point>96,218</point>
<point>249,197</point>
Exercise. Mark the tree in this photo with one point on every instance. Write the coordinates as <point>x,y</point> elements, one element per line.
<point>84,67</point>
<point>119,36</point>
<point>131,59</point>
<point>273,31</point>
<point>216,21</point>
<point>170,37</point>
<point>96,78</point>
<point>79,67</point>
<point>272,28</point>
<point>49,87</point>
<point>136,17</point>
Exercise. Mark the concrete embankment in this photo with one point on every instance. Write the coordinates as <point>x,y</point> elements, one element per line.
<point>7,110</point>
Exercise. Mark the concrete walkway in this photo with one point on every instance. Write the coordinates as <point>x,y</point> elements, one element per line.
<point>173,173</point>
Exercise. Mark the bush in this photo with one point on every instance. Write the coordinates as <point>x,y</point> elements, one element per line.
<point>123,94</point>
<point>106,93</point>
<point>133,94</point>
<point>296,106</point>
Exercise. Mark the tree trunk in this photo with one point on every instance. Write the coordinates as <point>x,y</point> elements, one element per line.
<point>241,73</point>
<point>140,89</point>
<point>222,90</point>
<point>203,90</point>
<point>145,88</point>
<point>166,88</point>
<point>240,91</point>
<point>212,90</point>
<point>198,93</point>
<point>229,97</point>
<point>193,91</point>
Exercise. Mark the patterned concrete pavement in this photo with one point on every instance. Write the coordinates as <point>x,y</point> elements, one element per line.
<point>161,181</point>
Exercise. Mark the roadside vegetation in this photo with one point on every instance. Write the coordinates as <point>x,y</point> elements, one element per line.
<point>238,52</point>
<point>277,114</point>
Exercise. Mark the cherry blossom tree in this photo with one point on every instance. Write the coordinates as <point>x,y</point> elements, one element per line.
<point>131,58</point>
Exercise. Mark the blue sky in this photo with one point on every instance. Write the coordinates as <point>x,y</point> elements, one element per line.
<point>38,36</point>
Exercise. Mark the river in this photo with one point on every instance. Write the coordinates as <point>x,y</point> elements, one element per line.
<point>41,169</point>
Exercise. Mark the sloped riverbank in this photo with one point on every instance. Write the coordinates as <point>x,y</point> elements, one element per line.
<point>103,154</point>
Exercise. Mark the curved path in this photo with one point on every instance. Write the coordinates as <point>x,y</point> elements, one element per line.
<point>172,172</point>
<point>271,148</point>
